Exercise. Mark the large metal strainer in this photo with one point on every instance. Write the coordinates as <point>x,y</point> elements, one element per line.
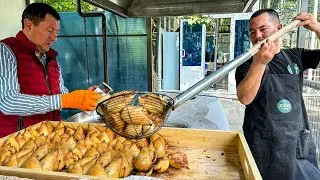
<point>134,115</point>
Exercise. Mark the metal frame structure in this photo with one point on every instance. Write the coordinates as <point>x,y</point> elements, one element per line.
<point>155,8</point>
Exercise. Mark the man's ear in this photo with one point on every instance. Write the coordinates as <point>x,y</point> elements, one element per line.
<point>27,24</point>
<point>279,26</point>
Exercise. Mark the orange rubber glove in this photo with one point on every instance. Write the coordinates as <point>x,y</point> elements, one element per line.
<point>86,100</point>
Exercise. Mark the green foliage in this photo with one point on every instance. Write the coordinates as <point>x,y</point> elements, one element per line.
<point>287,10</point>
<point>68,5</point>
<point>200,19</point>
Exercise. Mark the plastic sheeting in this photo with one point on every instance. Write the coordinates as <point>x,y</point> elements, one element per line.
<point>80,48</point>
<point>127,63</point>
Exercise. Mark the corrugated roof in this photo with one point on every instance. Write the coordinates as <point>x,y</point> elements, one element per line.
<point>155,8</point>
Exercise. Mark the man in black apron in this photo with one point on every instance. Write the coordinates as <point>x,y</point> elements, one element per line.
<point>270,85</point>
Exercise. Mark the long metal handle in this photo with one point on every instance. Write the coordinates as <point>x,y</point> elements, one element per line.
<point>221,72</point>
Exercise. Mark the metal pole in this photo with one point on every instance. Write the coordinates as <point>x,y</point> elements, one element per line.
<point>313,34</point>
<point>216,36</point>
<point>231,76</point>
<point>159,53</point>
<point>149,52</point>
<point>104,37</point>
<point>313,37</point>
<point>100,5</point>
<point>301,30</point>
<point>165,24</point>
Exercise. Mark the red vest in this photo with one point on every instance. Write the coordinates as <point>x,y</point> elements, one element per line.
<point>32,79</point>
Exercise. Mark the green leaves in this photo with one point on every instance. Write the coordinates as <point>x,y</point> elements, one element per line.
<point>68,5</point>
<point>198,19</point>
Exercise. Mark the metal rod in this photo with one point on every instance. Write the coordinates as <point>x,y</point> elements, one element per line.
<point>104,37</point>
<point>216,36</point>
<point>159,53</point>
<point>149,52</point>
<point>220,73</point>
<point>313,34</point>
<point>86,45</point>
<point>105,7</point>
<point>301,33</point>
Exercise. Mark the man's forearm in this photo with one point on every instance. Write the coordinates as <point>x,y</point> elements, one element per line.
<point>26,105</point>
<point>248,88</point>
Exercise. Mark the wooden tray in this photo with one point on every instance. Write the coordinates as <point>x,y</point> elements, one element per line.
<point>211,154</point>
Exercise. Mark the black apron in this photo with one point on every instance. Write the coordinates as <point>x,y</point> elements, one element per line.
<point>274,126</point>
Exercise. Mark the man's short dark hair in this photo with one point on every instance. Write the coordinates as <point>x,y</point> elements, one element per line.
<point>271,12</point>
<point>36,13</point>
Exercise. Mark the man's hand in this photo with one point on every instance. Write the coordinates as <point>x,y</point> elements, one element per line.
<point>308,22</point>
<point>92,88</point>
<point>266,53</point>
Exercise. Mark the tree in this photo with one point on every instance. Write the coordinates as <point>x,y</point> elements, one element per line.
<point>287,10</point>
<point>68,5</point>
<point>200,19</point>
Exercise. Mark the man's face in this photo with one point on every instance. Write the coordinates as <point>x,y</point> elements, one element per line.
<point>262,27</point>
<point>44,34</point>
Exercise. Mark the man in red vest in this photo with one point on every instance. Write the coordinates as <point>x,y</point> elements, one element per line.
<point>31,84</point>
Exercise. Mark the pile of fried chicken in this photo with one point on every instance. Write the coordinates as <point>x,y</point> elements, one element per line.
<point>87,150</point>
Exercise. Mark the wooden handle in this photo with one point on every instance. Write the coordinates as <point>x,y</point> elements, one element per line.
<point>274,36</point>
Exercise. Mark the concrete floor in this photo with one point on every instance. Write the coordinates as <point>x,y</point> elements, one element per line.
<point>234,111</point>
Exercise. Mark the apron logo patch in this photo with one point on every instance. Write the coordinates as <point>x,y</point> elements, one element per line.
<point>296,68</point>
<point>289,69</point>
<point>284,106</point>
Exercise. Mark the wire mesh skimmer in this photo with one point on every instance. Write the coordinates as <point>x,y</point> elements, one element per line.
<point>134,114</point>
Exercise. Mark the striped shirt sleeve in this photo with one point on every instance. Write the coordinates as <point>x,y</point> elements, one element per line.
<point>12,102</point>
<point>63,89</point>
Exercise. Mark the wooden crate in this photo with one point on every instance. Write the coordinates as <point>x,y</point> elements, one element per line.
<point>211,154</point>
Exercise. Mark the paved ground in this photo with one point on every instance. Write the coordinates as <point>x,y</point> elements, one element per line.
<point>233,109</point>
